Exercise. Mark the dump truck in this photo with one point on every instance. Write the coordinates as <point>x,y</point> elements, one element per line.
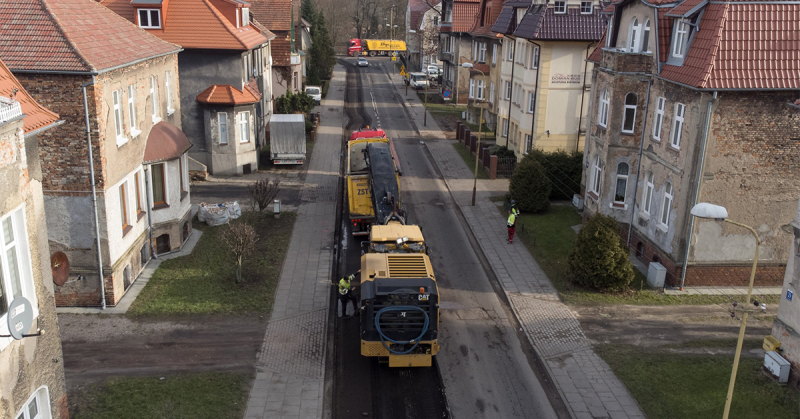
<point>399,317</point>
<point>373,47</point>
<point>363,173</point>
<point>287,138</point>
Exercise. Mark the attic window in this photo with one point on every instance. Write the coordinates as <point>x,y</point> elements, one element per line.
<point>561,7</point>
<point>680,39</point>
<point>586,7</point>
<point>150,18</point>
<point>245,16</point>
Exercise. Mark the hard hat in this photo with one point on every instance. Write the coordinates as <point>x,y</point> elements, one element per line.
<point>513,202</point>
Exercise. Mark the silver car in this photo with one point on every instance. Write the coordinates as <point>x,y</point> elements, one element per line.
<point>315,92</point>
<point>362,62</point>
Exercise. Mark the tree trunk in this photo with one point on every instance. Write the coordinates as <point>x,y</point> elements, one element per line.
<point>239,270</point>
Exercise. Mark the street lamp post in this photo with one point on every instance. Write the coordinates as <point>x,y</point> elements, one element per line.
<point>480,131</point>
<point>718,213</point>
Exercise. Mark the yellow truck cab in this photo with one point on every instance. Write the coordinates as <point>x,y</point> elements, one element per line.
<point>400,309</point>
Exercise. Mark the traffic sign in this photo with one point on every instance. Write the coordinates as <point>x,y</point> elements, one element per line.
<point>446,93</point>
<point>402,68</point>
<point>394,58</point>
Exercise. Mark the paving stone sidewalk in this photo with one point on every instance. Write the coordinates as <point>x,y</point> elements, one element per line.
<point>290,367</point>
<point>585,381</point>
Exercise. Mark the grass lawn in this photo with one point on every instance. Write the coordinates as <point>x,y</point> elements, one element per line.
<point>206,395</point>
<point>204,281</point>
<point>550,239</point>
<point>469,159</point>
<point>669,386</point>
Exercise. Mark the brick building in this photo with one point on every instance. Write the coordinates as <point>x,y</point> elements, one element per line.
<point>31,371</point>
<point>277,16</point>
<point>132,97</point>
<point>455,47</point>
<point>691,103</point>
<point>223,50</point>
<point>484,77</point>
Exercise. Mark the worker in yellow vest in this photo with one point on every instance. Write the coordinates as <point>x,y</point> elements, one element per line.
<point>513,212</point>
<point>347,293</point>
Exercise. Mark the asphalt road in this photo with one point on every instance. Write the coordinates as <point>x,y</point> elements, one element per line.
<point>486,369</point>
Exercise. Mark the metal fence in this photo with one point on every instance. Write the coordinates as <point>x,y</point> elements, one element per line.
<point>505,166</point>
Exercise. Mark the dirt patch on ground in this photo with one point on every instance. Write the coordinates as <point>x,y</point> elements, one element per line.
<point>668,326</point>
<point>97,347</point>
<point>447,123</point>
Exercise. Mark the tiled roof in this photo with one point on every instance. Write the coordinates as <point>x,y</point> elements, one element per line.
<point>196,24</point>
<point>71,35</point>
<point>505,23</point>
<point>686,8</point>
<point>488,11</point>
<point>657,2</point>
<point>252,87</point>
<point>597,53</point>
<point>541,22</point>
<point>281,49</point>
<point>276,15</point>
<point>743,45</point>
<point>664,34</point>
<point>165,142</point>
<point>225,94</point>
<point>464,12</point>
<point>37,116</point>
<point>417,11</point>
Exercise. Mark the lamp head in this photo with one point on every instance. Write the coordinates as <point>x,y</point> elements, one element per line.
<point>711,211</point>
<point>467,65</point>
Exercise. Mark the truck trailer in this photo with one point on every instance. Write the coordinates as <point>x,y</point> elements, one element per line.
<point>373,47</point>
<point>287,138</point>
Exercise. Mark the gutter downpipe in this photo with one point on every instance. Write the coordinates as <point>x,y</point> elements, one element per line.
<point>536,92</point>
<point>94,196</point>
<point>690,226</point>
<point>639,163</point>
<point>511,93</point>
<point>583,93</point>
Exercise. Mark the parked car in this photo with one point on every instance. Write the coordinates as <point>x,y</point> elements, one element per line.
<point>362,62</point>
<point>433,71</point>
<point>315,92</point>
<point>418,80</point>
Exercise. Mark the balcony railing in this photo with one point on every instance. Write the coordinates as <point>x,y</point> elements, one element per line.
<point>622,60</point>
<point>9,109</point>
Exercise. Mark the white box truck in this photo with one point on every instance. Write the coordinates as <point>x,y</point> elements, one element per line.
<point>287,138</point>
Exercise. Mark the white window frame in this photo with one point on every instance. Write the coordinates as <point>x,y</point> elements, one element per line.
<point>658,117</point>
<point>560,7</point>
<point>21,248</point>
<point>634,35</point>
<point>647,194</point>
<point>602,109</point>
<point>494,54</point>
<point>509,50</point>
<point>41,397</point>
<point>244,126</point>
<point>124,204</point>
<point>666,207</point>
<point>645,38</point>
<point>535,57</point>
<point>168,92</point>
<point>482,52</point>
<point>472,88</point>
<point>621,178</point>
<point>480,87</point>
<point>132,110</point>
<point>154,99</point>
<point>681,38</point>
<point>119,117</point>
<point>245,16</point>
<point>530,102</point>
<point>508,90</point>
<point>597,174</point>
<point>587,7</point>
<point>149,13</point>
<point>677,126</point>
<point>625,114</point>
<point>491,92</point>
<point>223,139</point>
<point>165,173</point>
<point>140,192</point>
<point>608,31</point>
<point>528,143</point>
<point>505,128</point>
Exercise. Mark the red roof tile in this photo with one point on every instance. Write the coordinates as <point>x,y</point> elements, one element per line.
<point>597,53</point>
<point>71,35</point>
<point>464,12</point>
<point>37,116</point>
<point>276,15</point>
<point>196,24</point>
<point>488,11</point>
<point>165,142</point>
<point>664,33</point>
<point>281,48</point>
<point>743,46</point>
<point>225,94</point>
<point>686,8</point>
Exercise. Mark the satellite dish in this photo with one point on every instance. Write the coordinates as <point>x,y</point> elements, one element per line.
<point>20,317</point>
<point>59,264</point>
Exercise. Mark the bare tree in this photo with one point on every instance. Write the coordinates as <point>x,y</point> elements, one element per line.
<point>240,239</point>
<point>262,192</point>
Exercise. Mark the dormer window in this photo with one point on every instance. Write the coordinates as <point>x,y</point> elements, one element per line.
<point>586,7</point>
<point>561,7</point>
<point>245,16</point>
<point>681,38</point>
<point>150,18</point>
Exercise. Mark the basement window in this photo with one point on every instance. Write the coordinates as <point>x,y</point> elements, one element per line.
<point>150,18</point>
